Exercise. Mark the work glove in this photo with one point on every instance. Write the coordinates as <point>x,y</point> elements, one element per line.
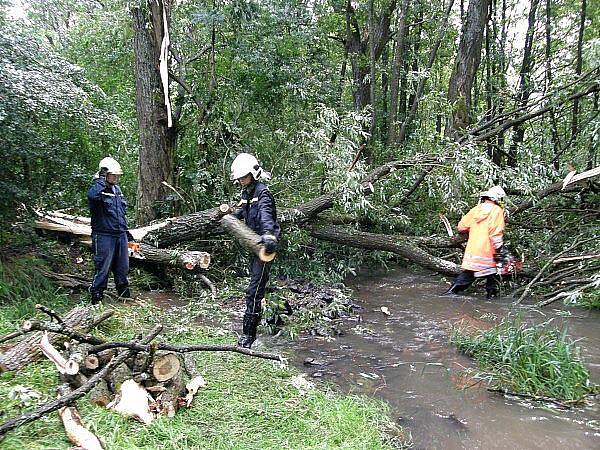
<point>130,237</point>
<point>270,243</point>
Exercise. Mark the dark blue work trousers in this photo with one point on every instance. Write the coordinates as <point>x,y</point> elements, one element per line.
<point>259,276</point>
<point>110,255</point>
<point>467,277</point>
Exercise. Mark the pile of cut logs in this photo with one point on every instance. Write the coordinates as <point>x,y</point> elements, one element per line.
<point>139,378</point>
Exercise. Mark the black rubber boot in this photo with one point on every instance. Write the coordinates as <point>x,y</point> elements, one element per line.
<point>249,330</point>
<point>123,291</point>
<point>96,297</point>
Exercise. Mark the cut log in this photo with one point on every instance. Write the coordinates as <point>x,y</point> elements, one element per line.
<point>246,237</point>
<point>166,365</point>
<point>167,403</point>
<point>54,405</point>
<point>91,362</point>
<point>401,246</point>
<point>76,431</point>
<point>27,350</point>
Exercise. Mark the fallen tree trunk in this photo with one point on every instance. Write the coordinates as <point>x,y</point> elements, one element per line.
<point>185,228</point>
<point>246,237</point>
<point>186,259</point>
<point>400,245</point>
<point>27,350</point>
<point>554,188</point>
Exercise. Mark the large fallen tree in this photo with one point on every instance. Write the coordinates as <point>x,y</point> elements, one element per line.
<point>415,249</point>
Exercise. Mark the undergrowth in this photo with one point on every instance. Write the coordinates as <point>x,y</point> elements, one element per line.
<point>530,359</point>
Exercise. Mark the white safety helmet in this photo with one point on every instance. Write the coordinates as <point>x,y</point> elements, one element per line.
<point>243,164</point>
<point>495,193</point>
<point>112,165</point>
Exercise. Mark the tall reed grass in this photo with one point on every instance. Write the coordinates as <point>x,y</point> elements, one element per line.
<point>531,359</point>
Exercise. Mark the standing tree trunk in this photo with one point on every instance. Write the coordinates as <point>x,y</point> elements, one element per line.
<point>525,86</point>
<point>548,86</point>
<point>157,139</point>
<point>357,45</point>
<point>466,65</point>
<point>578,67</point>
<point>372,73</point>
<point>398,62</point>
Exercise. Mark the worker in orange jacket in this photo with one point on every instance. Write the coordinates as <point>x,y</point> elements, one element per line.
<point>485,225</point>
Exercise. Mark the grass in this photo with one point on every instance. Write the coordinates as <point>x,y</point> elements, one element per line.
<point>248,403</point>
<point>529,359</point>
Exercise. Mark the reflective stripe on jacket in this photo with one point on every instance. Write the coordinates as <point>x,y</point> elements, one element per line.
<point>485,225</point>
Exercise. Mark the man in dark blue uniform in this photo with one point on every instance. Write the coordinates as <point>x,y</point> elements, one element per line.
<point>257,210</point>
<point>110,234</point>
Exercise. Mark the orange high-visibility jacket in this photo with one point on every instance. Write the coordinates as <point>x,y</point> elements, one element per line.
<point>485,225</point>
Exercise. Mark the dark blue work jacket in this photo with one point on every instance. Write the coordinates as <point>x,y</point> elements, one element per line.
<point>107,208</point>
<point>258,211</point>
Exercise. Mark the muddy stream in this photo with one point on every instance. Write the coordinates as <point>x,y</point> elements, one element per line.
<point>406,360</point>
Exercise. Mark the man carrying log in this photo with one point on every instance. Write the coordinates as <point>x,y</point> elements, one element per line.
<point>257,210</point>
<point>485,226</point>
<point>110,234</point>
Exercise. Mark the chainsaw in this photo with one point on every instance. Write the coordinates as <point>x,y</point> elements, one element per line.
<point>508,265</point>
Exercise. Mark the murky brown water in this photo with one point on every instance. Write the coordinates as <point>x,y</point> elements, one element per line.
<point>406,360</point>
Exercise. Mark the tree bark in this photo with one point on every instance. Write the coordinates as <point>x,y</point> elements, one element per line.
<point>466,65</point>
<point>28,350</point>
<point>400,245</point>
<point>157,140</point>
<point>188,227</point>
<point>357,45</point>
<point>246,237</point>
